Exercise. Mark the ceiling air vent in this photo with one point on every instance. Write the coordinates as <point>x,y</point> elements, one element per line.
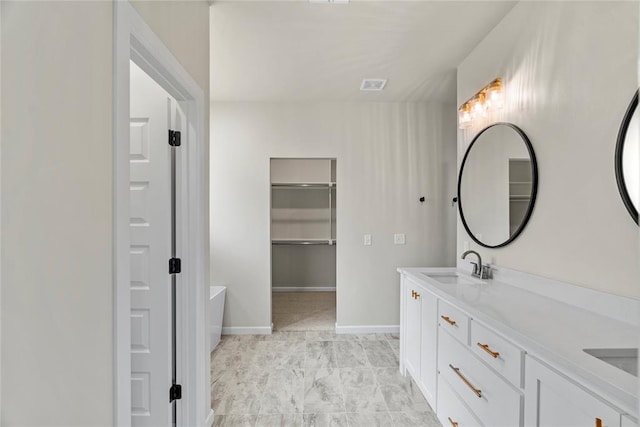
<point>373,84</point>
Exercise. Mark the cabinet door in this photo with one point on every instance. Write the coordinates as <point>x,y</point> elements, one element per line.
<point>428,346</point>
<point>553,400</point>
<point>412,320</point>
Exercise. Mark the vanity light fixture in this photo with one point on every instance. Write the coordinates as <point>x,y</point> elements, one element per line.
<point>486,99</point>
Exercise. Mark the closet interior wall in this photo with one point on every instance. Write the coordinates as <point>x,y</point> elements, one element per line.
<point>303,224</point>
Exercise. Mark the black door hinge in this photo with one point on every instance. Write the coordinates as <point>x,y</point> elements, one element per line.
<point>175,265</point>
<point>175,392</point>
<point>174,138</point>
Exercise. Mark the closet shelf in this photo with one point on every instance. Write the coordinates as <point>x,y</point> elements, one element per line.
<point>283,185</point>
<point>329,242</point>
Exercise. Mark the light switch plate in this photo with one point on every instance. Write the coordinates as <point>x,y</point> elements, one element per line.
<point>367,239</point>
<point>399,239</point>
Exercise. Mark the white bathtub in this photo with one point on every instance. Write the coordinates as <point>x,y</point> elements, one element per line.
<point>216,309</point>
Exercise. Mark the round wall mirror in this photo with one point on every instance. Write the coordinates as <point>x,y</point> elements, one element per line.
<point>497,185</point>
<point>628,158</point>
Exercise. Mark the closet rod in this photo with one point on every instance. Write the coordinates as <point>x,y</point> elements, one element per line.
<point>304,242</point>
<point>303,184</point>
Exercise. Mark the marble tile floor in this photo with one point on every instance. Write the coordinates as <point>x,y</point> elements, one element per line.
<point>303,311</point>
<point>313,378</point>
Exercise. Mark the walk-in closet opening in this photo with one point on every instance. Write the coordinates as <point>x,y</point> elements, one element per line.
<point>303,244</point>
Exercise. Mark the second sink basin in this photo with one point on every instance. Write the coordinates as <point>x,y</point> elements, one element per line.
<point>622,358</point>
<point>453,278</point>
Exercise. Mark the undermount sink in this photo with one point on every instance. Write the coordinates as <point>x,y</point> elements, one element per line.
<point>453,278</point>
<point>622,358</point>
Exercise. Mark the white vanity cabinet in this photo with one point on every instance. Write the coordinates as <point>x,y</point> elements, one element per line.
<point>418,331</point>
<point>554,400</point>
<point>428,346</point>
<point>411,327</point>
<point>479,362</point>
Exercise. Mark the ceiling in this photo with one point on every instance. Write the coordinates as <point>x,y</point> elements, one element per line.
<point>300,51</point>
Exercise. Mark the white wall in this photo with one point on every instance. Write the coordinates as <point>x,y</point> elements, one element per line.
<point>388,155</point>
<point>569,69</point>
<point>56,214</point>
<point>57,323</point>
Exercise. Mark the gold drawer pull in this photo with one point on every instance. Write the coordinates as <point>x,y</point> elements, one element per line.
<point>417,295</point>
<point>598,422</point>
<point>413,294</point>
<point>486,348</point>
<point>453,423</point>
<point>448,320</point>
<point>476,391</point>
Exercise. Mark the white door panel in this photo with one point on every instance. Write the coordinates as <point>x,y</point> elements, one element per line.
<point>150,251</point>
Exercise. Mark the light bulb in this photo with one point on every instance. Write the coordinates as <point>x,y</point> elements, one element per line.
<point>464,116</point>
<point>478,106</point>
<point>494,94</point>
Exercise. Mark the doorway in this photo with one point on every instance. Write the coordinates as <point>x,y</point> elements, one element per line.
<point>139,394</point>
<point>303,244</point>
<point>155,117</point>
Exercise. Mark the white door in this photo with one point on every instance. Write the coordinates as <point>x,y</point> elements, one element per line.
<point>413,306</point>
<point>554,401</point>
<point>150,232</point>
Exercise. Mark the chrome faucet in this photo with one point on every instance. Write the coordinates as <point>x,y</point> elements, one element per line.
<point>477,268</point>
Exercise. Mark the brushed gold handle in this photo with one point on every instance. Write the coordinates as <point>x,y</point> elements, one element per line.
<point>476,391</point>
<point>448,320</point>
<point>413,294</point>
<point>453,423</point>
<point>417,295</point>
<point>598,422</point>
<point>486,348</point>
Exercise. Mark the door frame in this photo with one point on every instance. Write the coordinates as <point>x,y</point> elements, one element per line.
<point>134,40</point>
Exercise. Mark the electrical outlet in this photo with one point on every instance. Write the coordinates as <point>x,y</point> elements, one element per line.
<point>367,239</point>
<point>399,239</point>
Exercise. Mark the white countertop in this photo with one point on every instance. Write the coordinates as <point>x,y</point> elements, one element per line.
<point>548,329</point>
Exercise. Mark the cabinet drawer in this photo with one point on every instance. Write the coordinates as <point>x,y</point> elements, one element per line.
<point>498,353</point>
<point>451,411</point>
<point>493,400</point>
<point>453,321</point>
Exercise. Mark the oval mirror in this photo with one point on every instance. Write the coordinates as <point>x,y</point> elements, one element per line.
<point>497,185</point>
<point>627,159</point>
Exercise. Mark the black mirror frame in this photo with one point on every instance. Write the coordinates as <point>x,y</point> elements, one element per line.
<point>534,185</point>
<point>622,134</point>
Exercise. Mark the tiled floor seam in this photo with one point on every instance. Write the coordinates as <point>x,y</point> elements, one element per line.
<point>344,400</point>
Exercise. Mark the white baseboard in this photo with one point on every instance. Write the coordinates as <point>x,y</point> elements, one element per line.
<point>247,330</point>
<point>208,422</point>
<point>303,289</point>
<point>368,329</point>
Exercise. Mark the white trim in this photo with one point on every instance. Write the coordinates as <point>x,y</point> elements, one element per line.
<point>368,329</point>
<point>208,422</point>
<point>134,39</point>
<point>247,330</point>
<point>303,289</point>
